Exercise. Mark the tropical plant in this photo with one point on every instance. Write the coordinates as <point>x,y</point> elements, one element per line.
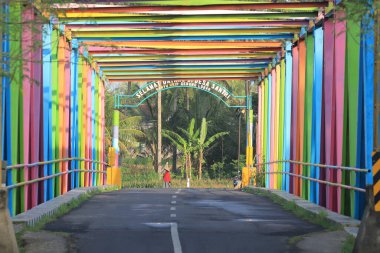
<point>187,144</point>
<point>203,144</point>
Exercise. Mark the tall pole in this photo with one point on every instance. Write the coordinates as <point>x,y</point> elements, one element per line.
<point>115,138</point>
<point>248,125</point>
<point>238,163</point>
<point>159,137</point>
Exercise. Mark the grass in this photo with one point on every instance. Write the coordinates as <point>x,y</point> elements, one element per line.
<point>319,219</point>
<point>295,239</point>
<point>62,210</point>
<point>348,244</point>
<point>203,183</point>
<point>148,178</point>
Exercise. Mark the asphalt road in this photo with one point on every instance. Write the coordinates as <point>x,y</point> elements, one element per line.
<point>181,220</point>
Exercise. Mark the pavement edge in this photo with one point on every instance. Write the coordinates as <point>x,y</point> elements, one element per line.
<point>350,225</point>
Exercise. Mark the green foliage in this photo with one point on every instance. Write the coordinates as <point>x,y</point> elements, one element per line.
<point>348,244</point>
<point>140,178</point>
<point>225,170</point>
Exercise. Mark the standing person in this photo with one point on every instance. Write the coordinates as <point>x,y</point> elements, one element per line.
<point>166,176</point>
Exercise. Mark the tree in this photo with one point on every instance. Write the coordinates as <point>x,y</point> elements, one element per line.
<point>186,144</point>
<point>203,144</point>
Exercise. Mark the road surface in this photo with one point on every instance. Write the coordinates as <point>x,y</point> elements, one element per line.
<point>181,220</point>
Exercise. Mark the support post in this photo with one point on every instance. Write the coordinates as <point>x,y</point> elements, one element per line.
<point>113,171</point>
<point>368,238</point>
<point>115,138</point>
<point>159,136</point>
<point>246,172</point>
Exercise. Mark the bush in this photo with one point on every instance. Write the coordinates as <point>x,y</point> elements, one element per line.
<point>226,170</point>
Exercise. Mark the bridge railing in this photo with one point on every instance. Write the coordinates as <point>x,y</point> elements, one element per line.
<point>50,176</point>
<point>314,179</point>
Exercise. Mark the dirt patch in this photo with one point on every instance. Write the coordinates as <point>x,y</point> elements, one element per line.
<point>321,242</point>
<point>47,242</point>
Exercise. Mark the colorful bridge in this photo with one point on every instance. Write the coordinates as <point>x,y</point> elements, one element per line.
<point>314,67</point>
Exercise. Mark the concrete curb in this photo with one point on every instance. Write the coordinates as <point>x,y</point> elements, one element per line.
<point>350,225</point>
<point>32,216</point>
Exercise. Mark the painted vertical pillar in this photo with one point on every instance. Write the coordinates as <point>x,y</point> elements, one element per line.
<point>97,131</point>
<point>281,177</point>
<point>88,125</point>
<point>265,130</point>
<point>288,99</point>
<point>339,84</point>
<point>277,176</point>
<point>269,130</point>
<point>47,108</point>
<point>301,112</point>
<point>272,128</point>
<point>368,63</point>
<point>294,181</point>
<point>351,100</point>
<point>329,113</point>
<point>15,100</point>
<point>93,130</point>
<point>60,134</point>
<point>258,125</point>
<point>102,131</point>
<point>80,151</point>
<point>7,130</point>
<point>74,112</point>
<point>27,82</point>
<point>36,117</point>
<point>84,121</point>
<point>251,160</point>
<point>54,108</point>
<point>308,112</point>
<point>66,185</point>
<point>262,123</point>
<point>317,111</point>
<point>115,137</point>
<point>365,129</point>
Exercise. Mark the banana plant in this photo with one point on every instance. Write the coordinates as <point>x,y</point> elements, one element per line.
<point>203,144</point>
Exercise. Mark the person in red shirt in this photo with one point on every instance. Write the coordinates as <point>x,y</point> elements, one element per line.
<point>166,176</point>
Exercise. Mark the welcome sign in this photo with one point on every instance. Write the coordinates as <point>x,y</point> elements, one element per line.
<point>148,90</point>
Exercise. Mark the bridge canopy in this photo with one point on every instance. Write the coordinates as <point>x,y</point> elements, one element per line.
<point>185,40</point>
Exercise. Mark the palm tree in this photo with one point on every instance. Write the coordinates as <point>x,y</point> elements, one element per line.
<point>203,144</point>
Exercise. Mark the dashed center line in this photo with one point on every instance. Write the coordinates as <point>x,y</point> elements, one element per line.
<point>173,215</point>
<point>174,202</point>
<point>174,196</point>
<point>172,208</point>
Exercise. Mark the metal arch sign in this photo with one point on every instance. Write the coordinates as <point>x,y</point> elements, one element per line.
<point>152,88</point>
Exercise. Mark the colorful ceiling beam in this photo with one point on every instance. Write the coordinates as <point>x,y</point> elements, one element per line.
<point>137,40</point>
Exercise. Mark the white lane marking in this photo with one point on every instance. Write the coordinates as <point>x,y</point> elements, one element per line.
<point>172,208</point>
<point>174,196</point>
<point>175,238</point>
<point>255,220</point>
<point>173,215</point>
<point>174,232</point>
<point>174,202</point>
<point>158,224</point>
